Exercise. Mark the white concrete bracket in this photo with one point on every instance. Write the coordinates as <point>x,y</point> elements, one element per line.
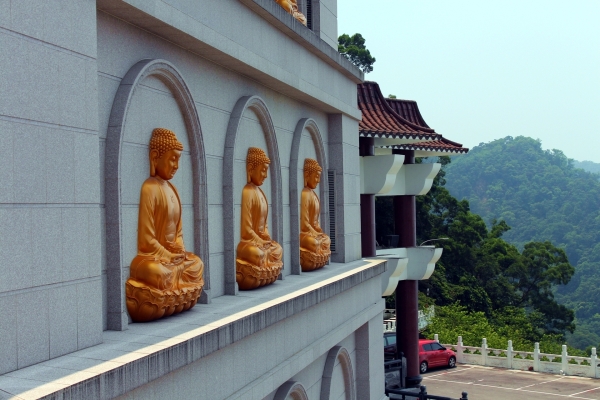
<point>378,173</point>
<point>412,263</point>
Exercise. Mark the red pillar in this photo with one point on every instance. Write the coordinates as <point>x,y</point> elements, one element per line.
<point>407,298</point>
<point>367,206</point>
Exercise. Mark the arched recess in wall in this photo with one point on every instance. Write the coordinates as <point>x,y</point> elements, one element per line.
<point>296,179</point>
<point>291,390</point>
<point>167,74</point>
<point>258,106</point>
<point>336,354</point>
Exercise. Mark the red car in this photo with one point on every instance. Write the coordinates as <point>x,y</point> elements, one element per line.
<point>431,353</point>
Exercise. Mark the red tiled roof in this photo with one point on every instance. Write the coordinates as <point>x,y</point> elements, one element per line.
<point>380,120</point>
<point>399,119</point>
<point>408,110</point>
<point>438,146</point>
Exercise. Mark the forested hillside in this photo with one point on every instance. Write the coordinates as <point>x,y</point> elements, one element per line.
<point>588,166</point>
<point>485,285</point>
<point>542,196</point>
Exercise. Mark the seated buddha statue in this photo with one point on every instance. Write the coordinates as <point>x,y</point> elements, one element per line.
<point>291,6</point>
<point>258,257</point>
<point>164,278</point>
<point>314,244</point>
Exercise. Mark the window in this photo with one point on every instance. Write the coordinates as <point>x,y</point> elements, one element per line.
<point>437,346</point>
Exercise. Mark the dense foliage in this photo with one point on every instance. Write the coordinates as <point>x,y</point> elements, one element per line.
<point>498,328</point>
<point>542,196</point>
<point>480,271</point>
<point>354,49</point>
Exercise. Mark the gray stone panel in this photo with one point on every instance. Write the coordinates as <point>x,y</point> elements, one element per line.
<point>15,245</point>
<point>6,162</point>
<point>63,320</point>
<point>60,168</point>
<point>74,240</point>
<point>8,333</point>
<point>40,19</point>
<point>32,324</point>
<point>46,255</point>
<point>214,169</point>
<point>89,313</point>
<point>86,156</point>
<point>29,164</point>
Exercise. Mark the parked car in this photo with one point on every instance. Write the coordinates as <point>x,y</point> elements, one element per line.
<point>431,353</point>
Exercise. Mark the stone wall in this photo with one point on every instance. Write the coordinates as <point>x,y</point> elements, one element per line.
<point>50,216</point>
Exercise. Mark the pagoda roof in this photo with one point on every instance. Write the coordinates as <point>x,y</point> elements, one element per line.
<point>423,149</point>
<point>380,120</point>
<point>401,121</point>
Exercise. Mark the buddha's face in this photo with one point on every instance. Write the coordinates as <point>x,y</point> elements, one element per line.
<point>166,165</point>
<point>258,173</point>
<point>312,179</point>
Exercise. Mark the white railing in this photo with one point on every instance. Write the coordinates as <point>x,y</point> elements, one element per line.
<point>425,316</point>
<point>563,364</point>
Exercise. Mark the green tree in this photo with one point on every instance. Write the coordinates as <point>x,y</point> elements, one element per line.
<point>543,196</point>
<point>353,48</point>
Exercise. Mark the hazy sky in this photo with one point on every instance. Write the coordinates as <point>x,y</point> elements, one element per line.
<point>482,70</point>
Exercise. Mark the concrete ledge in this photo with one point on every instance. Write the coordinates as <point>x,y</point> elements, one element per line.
<point>129,359</point>
<point>181,29</point>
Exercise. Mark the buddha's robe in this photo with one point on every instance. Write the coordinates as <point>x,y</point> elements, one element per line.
<point>314,244</point>
<point>158,285</point>
<point>291,6</point>
<point>259,258</point>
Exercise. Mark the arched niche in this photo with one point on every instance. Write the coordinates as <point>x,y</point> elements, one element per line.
<point>306,143</point>
<point>234,177</point>
<point>152,94</point>
<point>338,359</point>
<point>291,390</point>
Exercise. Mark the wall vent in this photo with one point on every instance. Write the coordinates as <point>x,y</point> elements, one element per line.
<point>331,187</point>
<point>309,14</point>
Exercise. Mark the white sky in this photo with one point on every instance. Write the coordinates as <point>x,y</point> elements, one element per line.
<point>485,69</point>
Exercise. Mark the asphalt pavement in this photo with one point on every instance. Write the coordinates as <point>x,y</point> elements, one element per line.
<point>487,383</point>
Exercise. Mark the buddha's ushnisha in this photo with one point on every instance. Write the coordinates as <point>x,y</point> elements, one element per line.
<point>164,278</point>
<point>314,244</point>
<point>258,257</point>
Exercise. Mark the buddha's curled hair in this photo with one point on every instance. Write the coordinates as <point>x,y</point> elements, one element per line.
<point>164,140</point>
<point>256,157</point>
<point>311,165</point>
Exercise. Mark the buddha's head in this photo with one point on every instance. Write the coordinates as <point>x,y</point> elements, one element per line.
<point>312,173</point>
<point>257,165</point>
<point>165,151</point>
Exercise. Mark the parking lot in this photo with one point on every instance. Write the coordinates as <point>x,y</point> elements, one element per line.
<point>486,383</point>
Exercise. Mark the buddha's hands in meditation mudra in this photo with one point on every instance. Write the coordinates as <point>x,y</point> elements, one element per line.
<point>164,278</point>
<point>314,244</point>
<point>258,256</point>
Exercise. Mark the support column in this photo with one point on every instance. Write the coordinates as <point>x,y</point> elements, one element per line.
<point>367,206</point>
<point>407,297</point>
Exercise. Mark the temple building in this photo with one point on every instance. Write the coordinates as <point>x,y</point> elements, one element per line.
<point>392,133</point>
<point>146,251</point>
<point>180,213</point>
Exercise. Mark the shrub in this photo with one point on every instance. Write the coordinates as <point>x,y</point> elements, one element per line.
<point>573,361</point>
<point>518,356</point>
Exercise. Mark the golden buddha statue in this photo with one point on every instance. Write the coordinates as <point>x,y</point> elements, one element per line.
<point>292,7</point>
<point>164,279</point>
<point>314,244</point>
<point>258,257</point>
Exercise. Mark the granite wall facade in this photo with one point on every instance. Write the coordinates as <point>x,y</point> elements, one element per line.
<point>77,107</point>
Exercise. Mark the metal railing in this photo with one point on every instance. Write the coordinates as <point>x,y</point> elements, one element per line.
<point>421,395</point>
